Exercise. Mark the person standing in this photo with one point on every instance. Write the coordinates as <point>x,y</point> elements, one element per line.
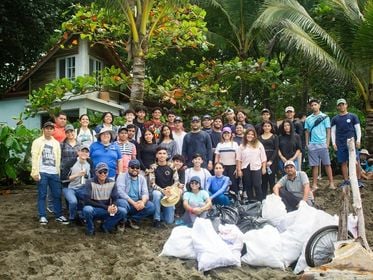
<point>178,134</point>
<point>197,142</point>
<point>127,149</point>
<point>45,170</point>
<point>206,123</point>
<point>107,122</point>
<point>84,134</point>
<point>345,125</point>
<point>317,132</point>
<point>289,145</point>
<point>60,121</point>
<point>155,124</point>
<point>140,118</point>
<point>266,116</point>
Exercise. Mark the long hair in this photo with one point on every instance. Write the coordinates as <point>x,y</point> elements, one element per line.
<point>270,123</point>
<point>143,141</point>
<point>282,130</point>
<point>161,136</point>
<point>255,142</point>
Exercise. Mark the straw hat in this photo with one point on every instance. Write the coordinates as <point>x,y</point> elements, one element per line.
<point>173,198</point>
<point>106,129</point>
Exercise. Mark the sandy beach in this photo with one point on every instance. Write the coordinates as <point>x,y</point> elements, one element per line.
<point>31,251</point>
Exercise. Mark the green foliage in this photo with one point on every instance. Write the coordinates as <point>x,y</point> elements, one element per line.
<point>15,147</point>
<point>50,97</point>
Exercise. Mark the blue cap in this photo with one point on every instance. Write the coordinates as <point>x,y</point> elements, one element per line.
<point>101,166</point>
<point>196,179</point>
<point>133,162</point>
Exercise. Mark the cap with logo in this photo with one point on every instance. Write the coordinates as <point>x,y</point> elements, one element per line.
<point>289,162</point>
<point>195,119</point>
<point>101,166</point>
<point>289,108</point>
<point>341,100</point>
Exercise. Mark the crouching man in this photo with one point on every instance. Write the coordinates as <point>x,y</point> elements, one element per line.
<point>134,195</point>
<point>100,195</point>
<point>293,187</point>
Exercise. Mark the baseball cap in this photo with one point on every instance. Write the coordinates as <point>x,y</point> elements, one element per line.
<point>134,163</point>
<point>195,119</point>
<point>84,146</point>
<point>265,110</point>
<point>314,100</point>
<point>229,110</point>
<point>226,129</point>
<point>48,124</point>
<point>178,119</point>
<point>206,117</point>
<point>122,128</point>
<point>195,179</point>
<point>289,162</point>
<point>101,166</point>
<point>69,127</point>
<point>341,100</point>
<point>289,108</point>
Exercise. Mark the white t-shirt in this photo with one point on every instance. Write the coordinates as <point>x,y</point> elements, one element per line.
<point>203,174</point>
<point>227,152</point>
<point>47,160</point>
<point>179,141</point>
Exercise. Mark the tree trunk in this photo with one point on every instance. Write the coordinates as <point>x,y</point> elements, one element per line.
<point>137,88</point>
<point>369,131</point>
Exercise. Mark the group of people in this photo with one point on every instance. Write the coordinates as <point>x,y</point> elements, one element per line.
<point>120,175</point>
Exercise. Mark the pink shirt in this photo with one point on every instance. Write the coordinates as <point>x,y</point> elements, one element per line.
<point>253,156</point>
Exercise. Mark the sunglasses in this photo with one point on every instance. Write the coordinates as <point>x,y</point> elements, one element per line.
<point>194,183</point>
<point>135,167</point>
<point>102,171</point>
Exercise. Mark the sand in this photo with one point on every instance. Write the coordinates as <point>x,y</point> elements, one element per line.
<point>31,251</point>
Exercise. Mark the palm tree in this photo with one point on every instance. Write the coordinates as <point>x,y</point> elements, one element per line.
<point>347,57</point>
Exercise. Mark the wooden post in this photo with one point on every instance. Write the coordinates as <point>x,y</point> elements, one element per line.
<point>343,214</point>
<point>356,202</point>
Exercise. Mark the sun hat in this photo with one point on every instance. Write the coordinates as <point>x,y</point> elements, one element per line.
<point>341,100</point>
<point>106,129</point>
<point>69,127</point>
<point>101,166</point>
<point>173,198</point>
<point>289,162</point>
<point>364,152</point>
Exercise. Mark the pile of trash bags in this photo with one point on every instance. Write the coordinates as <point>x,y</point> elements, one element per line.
<point>259,234</point>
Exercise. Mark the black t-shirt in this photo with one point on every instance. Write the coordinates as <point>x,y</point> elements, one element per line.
<point>164,176</point>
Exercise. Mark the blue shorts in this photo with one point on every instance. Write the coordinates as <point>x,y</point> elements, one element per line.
<point>342,154</point>
<point>317,156</point>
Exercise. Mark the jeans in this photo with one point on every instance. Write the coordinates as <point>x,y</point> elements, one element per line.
<point>133,213</point>
<point>91,213</point>
<point>53,181</point>
<point>221,199</point>
<point>167,212</point>
<point>70,195</point>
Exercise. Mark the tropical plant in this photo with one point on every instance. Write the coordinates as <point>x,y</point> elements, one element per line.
<point>149,27</point>
<point>342,50</point>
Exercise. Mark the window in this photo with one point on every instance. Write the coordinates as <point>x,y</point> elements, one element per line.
<point>95,66</point>
<point>66,68</point>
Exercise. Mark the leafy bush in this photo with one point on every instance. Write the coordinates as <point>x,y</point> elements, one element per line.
<point>15,151</point>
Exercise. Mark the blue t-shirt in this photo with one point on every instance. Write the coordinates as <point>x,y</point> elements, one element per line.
<point>109,154</point>
<point>134,190</point>
<point>318,133</point>
<point>344,127</point>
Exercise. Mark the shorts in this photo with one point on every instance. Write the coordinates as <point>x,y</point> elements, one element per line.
<point>317,156</point>
<point>343,155</point>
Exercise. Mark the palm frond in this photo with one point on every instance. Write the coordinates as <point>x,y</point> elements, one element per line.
<point>349,8</point>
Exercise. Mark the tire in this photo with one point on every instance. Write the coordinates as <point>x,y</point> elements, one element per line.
<point>320,246</point>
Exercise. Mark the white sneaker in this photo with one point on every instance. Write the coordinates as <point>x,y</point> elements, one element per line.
<point>43,221</point>
<point>62,220</point>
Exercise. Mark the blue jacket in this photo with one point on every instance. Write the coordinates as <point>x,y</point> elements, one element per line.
<point>123,185</point>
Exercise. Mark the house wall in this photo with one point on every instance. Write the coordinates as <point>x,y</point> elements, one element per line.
<point>10,108</point>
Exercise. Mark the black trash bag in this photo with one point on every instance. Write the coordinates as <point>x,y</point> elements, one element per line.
<point>229,215</point>
<point>214,212</point>
<point>248,223</point>
<point>215,223</point>
<point>253,209</point>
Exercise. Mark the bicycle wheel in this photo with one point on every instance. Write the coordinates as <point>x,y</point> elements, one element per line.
<point>320,246</point>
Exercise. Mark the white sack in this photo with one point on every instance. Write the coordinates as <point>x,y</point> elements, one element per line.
<point>179,244</point>
<point>233,237</point>
<point>263,248</point>
<point>211,250</point>
<point>273,209</point>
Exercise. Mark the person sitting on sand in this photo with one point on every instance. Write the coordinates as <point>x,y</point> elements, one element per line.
<point>367,173</point>
<point>134,194</point>
<point>162,175</point>
<point>293,187</point>
<point>75,173</point>
<point>196,201</point>
<point>99,196</point>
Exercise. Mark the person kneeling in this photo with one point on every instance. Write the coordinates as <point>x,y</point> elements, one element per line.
<point>196,201</point>
<point>293,187</point>
<point>99,195</point>
<point>134,194</point>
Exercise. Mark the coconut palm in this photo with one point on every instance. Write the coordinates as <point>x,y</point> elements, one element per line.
<point>346,53</point>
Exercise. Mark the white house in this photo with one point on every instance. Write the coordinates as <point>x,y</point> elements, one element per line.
<point>76,58</point>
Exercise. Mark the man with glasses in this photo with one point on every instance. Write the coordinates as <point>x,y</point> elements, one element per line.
<point>100,195</point>
<point>134,195</point>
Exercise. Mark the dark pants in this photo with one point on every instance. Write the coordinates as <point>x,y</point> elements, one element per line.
<point>291,201</point>
<point>252,180</point>
<point>229,170</point>
<point>268,180</point>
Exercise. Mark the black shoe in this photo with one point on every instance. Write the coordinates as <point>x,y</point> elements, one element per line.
<point>89,233</point>
<point>156,224</point>
<point>133,224</point>
<point>103,229</point>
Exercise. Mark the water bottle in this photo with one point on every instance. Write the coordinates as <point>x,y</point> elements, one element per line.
<point>269,171</point>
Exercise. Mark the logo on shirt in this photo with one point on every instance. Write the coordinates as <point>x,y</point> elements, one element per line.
<point>167,172</point>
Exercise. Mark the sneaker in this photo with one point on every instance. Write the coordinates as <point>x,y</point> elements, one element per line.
<point>43,221</point>
<point>156,224</point>
<point>344,183</point>
<point>62,220</point>
<point>360,184</point>
<point>89,233</point>
<point>133,224</point>
<point>121,227</point>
